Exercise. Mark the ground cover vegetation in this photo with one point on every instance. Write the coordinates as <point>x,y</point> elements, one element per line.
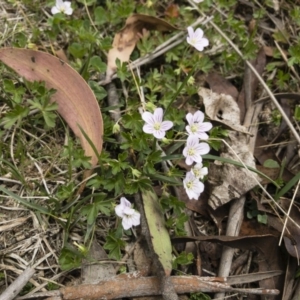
<point>152,136</point>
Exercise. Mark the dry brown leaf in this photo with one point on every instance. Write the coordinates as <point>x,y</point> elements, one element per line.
<point>93,270</point>
<point>125,41</point>
<point>228,181</point>
<point>222,109</point>
<point>218,84</point>
<point>76,101</point>
<point>172,11</point>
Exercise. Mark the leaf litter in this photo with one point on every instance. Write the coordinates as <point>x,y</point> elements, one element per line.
<point>224,112</point>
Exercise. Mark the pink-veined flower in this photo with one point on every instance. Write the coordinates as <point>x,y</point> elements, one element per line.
<point>155,124</point>
<point>194,150</point>
<point>196,39</point>
<point>192,186</point>
<point>62,7</point>
<point>130,217</point>
<point>196,125</point>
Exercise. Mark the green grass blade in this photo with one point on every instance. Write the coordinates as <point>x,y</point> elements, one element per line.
<point>288,186</point>
<point>25,202</point>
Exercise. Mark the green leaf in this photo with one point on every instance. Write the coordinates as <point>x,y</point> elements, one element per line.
<point>159,235</point>
<point>262,219</point>
<point>26,203</point>
<point>15,115</point>
<point>297,113</point>
<point>288,186</point>
<point>98,64</point>
<point>272,164</point>
<point>114,245</point>
<point>100,15</point>
<point>183,259</point>
<point>77,50</point>
<point>69,258</point>
<point>98,90</point>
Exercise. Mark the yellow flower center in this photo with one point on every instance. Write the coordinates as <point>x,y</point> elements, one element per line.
<point>189,185</point>
<point>194,128</point>
<point>193,41</point>
<point>156,126</point>
<point>196,172</point>
<point>191,151</point>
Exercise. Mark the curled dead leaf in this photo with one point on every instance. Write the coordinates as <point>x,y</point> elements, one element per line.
<point>125,41</point>
<point>228,182</point>
<point>222,109</point>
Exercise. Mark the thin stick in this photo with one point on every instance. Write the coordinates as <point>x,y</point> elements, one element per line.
<point>14,289</point>
<point>288,214</point>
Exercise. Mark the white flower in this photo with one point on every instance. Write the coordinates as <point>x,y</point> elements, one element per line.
<point>130,217</point>
<point>199,171</point>
<point>62,7</point>
<point>196,39</point>
<point>155,124</point>
<point>198,1</point>
<point>196,125</point>
<point>194,150</point>
<point>192,186</point>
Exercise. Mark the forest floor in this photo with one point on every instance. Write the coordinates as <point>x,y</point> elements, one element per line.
<point>76,91</point>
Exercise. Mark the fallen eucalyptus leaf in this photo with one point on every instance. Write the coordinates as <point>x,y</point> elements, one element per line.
<point>76,101</point>
<point>160,238</point>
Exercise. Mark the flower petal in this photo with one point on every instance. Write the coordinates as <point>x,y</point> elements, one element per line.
<point>197,158</point>
<point>204,171</point>
<point>67,4</point>
<point>189,118</point>
<point>192,186</point>
<point>68,11</point>
<point>158,115</point>
<point>148,117</point>
<point>119,211</point>
<point>203,148</point>
<point>55,10</point>
<point>201,44</point>
<point>190,31</point>
<point>159,134</point>
<point>206,126</point>
<point>166,125</point>
<point>125,202</point>
<point>127,223</point>
<point>192,141</point>
<point>189,160</point>
<point>136,217</point>
<point>198,33</point>
<point>147,128</point>
<point>198,116</point>
<point>202,135</point>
